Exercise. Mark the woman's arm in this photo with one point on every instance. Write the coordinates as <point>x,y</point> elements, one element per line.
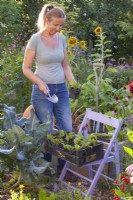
<point>67,70</point>
<point>27,70</point>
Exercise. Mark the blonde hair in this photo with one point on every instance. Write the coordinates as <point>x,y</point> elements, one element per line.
<point>48,11</point>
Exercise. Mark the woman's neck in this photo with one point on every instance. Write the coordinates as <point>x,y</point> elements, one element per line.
<point>47,34</point>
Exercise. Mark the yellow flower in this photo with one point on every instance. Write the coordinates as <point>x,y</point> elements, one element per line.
<point>86,190</point>
<point>98,30</point>
<point>72,41</point>
<point>61,31</point>
<point>1,114</point>
<point>79,183</point>
<point>69,53</point>
<point>82,44</point>
<point>21,186</point>
<point>21,196</point>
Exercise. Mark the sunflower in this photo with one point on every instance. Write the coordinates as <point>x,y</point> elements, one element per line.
<point>69,53</point>
<point>82,44</point>
<point>72,41</point>
<point>98,30</point>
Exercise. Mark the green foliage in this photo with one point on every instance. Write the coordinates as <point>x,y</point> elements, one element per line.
<point>23,15</point>
<point>63,194</point>
<point>102,52</point>
<point>120,78</point>
<point>43,195</point>
<point>116,101</point>
<point>75,85</point>
<point>15,87</point>
<point>69,195</point>
<point>20,195</point>
<point>123,184</point>
<point>126,34</point>
<point>21,150</point>
<point>9,25</point>
<point>130,137</point>
<point>83,21</point>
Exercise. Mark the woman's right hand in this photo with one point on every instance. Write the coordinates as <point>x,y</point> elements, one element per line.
<point>43,87</point>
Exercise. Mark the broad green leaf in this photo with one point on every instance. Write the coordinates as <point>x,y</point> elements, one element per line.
<point>21,156</point>
<point>106,42</point>
<point>119,193</point>
<point>129,151</point>
<point>94,55</point>
<point>33,168</point>
<point>128,195</point>
<point>107,55</point>
<point>90,76</point>
<point>7,151</point>
<point>111,69</point>
<point>42,194</point>
<point>98,45</point>
<point>103,37</point>
<point>130,135</point>
<point>108,51</point>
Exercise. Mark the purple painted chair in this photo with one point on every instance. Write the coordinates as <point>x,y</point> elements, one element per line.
<point>111,151</point>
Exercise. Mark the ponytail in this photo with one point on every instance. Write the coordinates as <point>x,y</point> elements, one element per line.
<point>48,11</point>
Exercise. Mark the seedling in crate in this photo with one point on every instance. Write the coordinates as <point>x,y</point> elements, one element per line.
<point>77,147</point>
<point>69,136</point>
<point>78,139</point>
<point>87,142</point>
<point>54,139</point>
<point>93,138</point>
<point>68,147</point>
<point>61,133</point>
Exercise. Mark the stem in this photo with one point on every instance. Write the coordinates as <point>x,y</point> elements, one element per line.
<point>14,181</point>
<point>102,49</point>
<point>98,80</point>
<point>97,96</point>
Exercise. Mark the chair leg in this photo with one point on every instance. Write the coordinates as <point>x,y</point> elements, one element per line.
<point>90,172</point>
<point>63,173</point>
<point>96,178</point>
<point>117,156</point>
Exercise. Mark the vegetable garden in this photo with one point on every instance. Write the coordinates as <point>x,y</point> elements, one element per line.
<point>100,52</point>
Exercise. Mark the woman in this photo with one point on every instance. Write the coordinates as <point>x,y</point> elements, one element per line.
<point>48,48</point>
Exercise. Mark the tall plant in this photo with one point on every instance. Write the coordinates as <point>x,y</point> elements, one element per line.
<point>99,58</point>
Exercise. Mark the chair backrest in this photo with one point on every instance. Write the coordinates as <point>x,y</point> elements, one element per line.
<point>100,118</point>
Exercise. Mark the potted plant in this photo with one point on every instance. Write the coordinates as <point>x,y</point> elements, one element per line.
<point>74,90</point>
